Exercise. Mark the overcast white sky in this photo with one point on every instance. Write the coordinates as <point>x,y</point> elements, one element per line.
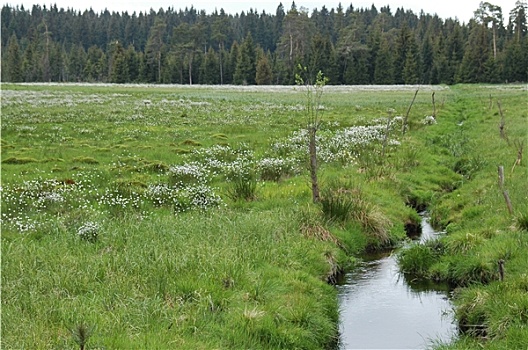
<point>461,9</point>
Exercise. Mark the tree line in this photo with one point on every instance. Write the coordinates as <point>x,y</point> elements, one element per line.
<point>351,46</point>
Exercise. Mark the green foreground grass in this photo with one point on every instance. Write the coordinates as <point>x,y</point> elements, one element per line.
<point>177,217</point>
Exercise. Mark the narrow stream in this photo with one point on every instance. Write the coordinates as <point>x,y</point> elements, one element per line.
<point>380,309</point>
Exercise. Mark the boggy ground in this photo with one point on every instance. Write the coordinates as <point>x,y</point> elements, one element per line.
<point>178,217</point>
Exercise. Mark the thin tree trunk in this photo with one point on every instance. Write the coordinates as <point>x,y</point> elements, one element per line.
<point>494,41</point>
<point>221,66</point>
<point>313,165</point>
<point>190,70</point>
<point>159,67</point>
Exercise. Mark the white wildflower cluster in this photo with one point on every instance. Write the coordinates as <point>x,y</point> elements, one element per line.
<point>239,168</point>
<point>114,199</point>
<point>203,197</point>
<point>429,120</point>
<point>188,173</point>
<point>161,194</point>
<point>47,199</point>
<point>226,161</point>
<point>296,145</point>
<point>25,128</point>
<point>189,197</point>
<point>40,198</point>
<point>89,231</point>
<point>50,98</point>
<point>274,168</point>
<point>340,145</point>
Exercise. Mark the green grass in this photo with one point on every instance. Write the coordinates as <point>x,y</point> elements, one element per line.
<point>122,225</point>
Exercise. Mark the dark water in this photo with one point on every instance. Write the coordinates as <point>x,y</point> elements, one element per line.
<point>380,309</point>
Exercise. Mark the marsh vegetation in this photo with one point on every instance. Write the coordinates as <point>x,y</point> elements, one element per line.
<point>188,221</point>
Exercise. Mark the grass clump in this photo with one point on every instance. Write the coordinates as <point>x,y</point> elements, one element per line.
<point>417,260</point>
<point>242,188</point>
<point>521,221</point>
<point>341,205</point>
<point>19,160</point>
<point>192,143</point>
<point>85,160</point>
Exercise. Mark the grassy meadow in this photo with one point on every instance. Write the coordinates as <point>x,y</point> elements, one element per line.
<point>179,217</point>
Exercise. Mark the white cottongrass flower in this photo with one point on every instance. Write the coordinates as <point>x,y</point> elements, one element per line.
<point>429,120</point>
<point>89,231</point>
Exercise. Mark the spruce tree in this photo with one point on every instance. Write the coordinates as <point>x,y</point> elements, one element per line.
<point>11,69</point>
<point>246,67</point>
<point>264,74</point>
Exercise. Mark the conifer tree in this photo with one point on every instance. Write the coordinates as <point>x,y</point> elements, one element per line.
<point>264,74</point>
<point>384,66</point>
<point>246,68</point>
<point>11,66</point>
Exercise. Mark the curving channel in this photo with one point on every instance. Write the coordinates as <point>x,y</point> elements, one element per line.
<point>380,309</point>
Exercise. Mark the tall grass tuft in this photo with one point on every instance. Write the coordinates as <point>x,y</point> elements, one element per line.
<point>416,260</point>
<point>341,205</point>
<point>311,226</point>
<point>81,334</point>
<point>338,205</point>
<point>243,188</point>
<point>522,221</point>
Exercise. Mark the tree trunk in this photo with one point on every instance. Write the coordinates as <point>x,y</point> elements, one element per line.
<point>221,65</point>
<point>494,41</point>
<point>313,165</point>
<point>190,70</point>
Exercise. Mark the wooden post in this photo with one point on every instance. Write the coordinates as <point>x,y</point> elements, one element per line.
<point>520,146</point>
<point>404,124</point>
<point>508,202</point>
<point>502,122</point>
<point>386,136</point>
<point>501,176</point>
<point>501,269</point>
<point>434,105</point>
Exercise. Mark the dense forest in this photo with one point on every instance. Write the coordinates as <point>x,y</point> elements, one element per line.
<point>350,45</point>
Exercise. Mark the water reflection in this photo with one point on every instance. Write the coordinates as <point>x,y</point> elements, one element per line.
<point>380,309</point>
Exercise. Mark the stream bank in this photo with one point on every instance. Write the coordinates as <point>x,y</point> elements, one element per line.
<point>380,308</point>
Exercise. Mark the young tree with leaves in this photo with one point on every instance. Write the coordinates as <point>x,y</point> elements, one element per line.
<point>314,114</point>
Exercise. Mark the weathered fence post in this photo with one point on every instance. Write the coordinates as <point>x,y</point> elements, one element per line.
<point>404,124</point>
<point>502,123</point>
<point>501,269</point>
<point>501,176</point>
